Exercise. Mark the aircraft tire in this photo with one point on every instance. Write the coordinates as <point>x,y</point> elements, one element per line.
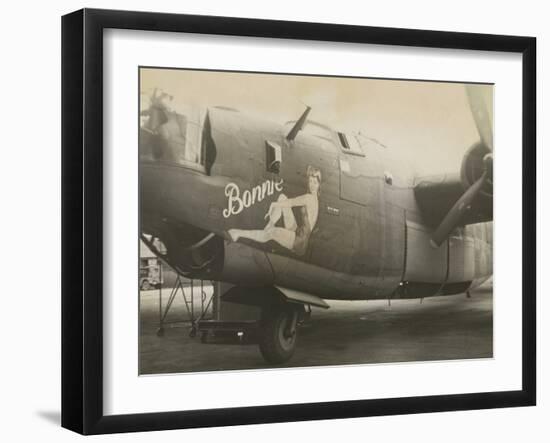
<point>278,338</point>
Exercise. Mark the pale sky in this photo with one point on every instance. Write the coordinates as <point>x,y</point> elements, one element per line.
<point>429,123</point>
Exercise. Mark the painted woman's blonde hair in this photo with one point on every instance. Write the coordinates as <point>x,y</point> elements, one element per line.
<point>312,171</point>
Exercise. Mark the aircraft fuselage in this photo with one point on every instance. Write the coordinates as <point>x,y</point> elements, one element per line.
<point>361,235</point>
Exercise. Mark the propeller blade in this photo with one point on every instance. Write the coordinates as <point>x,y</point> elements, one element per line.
<point>454,216</point>
<point>157,111</point>
<point>481,116</point>
<point>157,117</point>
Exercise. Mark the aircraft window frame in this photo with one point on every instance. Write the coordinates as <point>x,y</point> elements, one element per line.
<point>273,158</point>
<point>195,118</point>
<point>350,144</point>
<point>194,125</point>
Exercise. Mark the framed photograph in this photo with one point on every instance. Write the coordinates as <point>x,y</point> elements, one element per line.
<point>270,221</point>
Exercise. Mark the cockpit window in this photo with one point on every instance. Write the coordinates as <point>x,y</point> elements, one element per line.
<point>177,137</point>
<point>184,134</point>
<point>350,144</point>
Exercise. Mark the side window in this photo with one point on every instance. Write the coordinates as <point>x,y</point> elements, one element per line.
<point>349,144</point>
<point>273,157</point>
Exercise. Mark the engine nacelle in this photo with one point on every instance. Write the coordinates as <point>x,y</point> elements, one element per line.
<point>436,195</point>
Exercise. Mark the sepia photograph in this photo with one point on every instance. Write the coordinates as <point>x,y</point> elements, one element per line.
<point>291,220</point>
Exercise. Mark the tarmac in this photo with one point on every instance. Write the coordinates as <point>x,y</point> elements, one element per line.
<point>350,332</point>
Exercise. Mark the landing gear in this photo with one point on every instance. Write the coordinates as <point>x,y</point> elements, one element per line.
<point>278,333</point>
<point>272,324</point>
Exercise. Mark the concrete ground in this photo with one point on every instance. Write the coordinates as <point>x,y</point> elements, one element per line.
<point>439,328</point>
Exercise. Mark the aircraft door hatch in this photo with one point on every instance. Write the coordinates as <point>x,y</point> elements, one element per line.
<point>357,184</point>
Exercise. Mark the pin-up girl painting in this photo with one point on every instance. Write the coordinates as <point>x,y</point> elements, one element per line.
<point>292,235</point>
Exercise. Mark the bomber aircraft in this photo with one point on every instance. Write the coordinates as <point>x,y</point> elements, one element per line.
<point>293,215</point>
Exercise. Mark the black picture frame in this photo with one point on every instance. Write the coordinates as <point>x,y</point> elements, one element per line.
<point>82,218</point>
